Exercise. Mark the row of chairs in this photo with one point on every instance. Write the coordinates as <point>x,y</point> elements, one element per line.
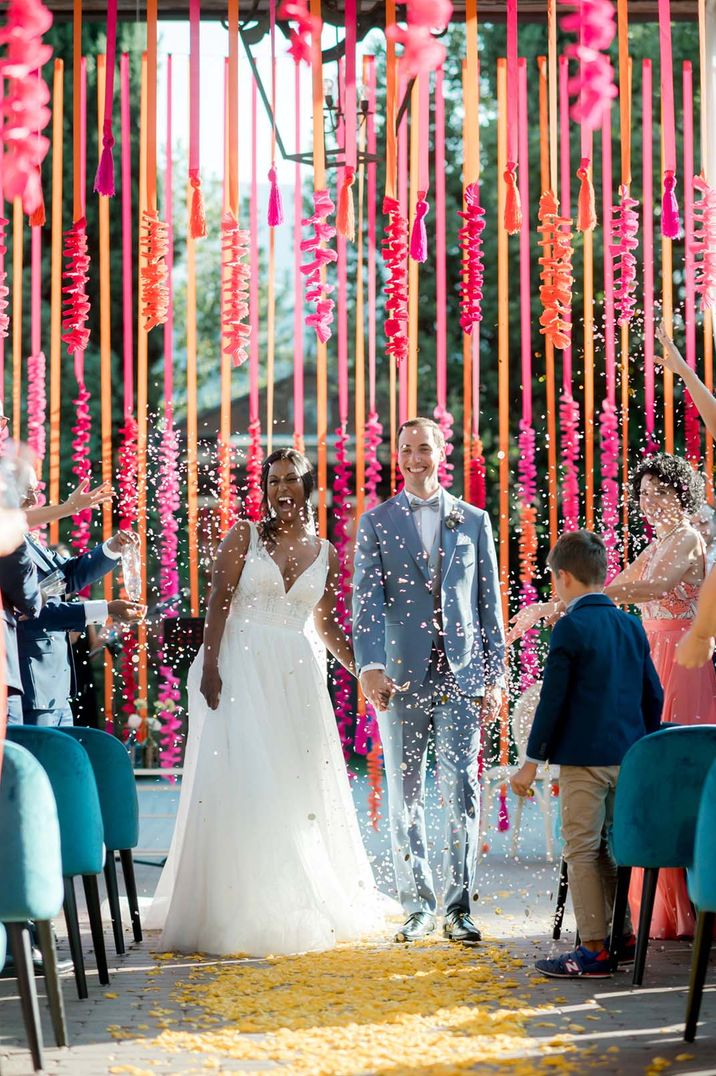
<point>68,805</point>
<point>665,816</point>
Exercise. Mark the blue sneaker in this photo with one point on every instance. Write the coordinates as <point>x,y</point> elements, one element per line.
<point>581,964</point>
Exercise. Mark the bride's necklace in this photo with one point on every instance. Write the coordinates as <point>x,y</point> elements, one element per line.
<point>663,537</point>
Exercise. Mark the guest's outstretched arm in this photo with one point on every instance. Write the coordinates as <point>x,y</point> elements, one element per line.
<point>625,589</point>
<point>325,617</point>
<point>703,399</point>
<point>228,566</point>
<point>79,500</point>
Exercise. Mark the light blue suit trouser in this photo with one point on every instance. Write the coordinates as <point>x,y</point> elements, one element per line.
<point>404,730</point>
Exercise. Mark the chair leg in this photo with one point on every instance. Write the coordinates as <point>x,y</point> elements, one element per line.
<point>621,897</point>
<point>699,965</point>
<point>110,878</point>
<point>648,894</point>
<point>75,940</point>
<point>19,937</point>
<point>131,887</point>
<point>52,981</point>
<point>561,900</point>
<point>95,917</point>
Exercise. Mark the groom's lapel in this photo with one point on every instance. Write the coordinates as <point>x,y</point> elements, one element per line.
<point>408,532</point>
<point>448,536</point>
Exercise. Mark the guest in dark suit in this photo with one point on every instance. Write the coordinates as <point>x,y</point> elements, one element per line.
<point>20,594</point>
<point>43,641</point>
<point>600,694</point>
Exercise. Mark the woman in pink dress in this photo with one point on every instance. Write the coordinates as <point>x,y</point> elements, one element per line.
<point>664,581</point>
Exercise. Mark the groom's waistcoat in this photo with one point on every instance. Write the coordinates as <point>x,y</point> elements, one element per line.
<point>405,601</point>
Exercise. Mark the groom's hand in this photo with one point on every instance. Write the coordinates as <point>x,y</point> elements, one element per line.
<point>491,704</point>
<point>377,688</point>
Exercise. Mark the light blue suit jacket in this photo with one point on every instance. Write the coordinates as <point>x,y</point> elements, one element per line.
<point>393,608</point>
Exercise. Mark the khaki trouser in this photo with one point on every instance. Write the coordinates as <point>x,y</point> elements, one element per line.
<point>587,799</point>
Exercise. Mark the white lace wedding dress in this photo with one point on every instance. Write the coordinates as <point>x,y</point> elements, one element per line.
<point>266,856</point>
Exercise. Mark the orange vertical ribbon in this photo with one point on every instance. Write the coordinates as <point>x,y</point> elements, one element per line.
<point>105,352</point>
<point>144,124</point>
<point>503,361</point>
<point>319,183</point>
<point>545,182</point>
<point>56,289</point>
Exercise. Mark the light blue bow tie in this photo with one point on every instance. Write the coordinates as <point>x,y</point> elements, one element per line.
<point>433,504</point>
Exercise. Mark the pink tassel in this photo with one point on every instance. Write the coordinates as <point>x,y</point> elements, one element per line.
<point>669,208</point>
<point>345,217</point>
<point>503,815</point>
<point>104,180</point>
<point>586,205</point>
<point>419,235</point>
<point>38,216</point>
<point>275,206</point>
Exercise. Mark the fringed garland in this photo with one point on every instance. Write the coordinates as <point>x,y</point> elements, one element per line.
<point>300,35</point>
<point>472,272</point>
<point>569,426</point>
<point>422,52</point>
<point>343,517</point>
<point>236,273</point>
<point>609,445</point>
<point>317,289</point>
<point>254,461</point>
<point>81,465</point>
<point>445,421</point>
<point>625,229</point>
<point>36,408</point>
<point>556,273</point>
<point>128,484</point>
<point>154,275</point>
<point>478,476</point>
<point>395,258</point>
<point>76,304</point>
<point>228,496</point>
<point>25,111</point>
<point>593,87</point>
<point>527,480</point>
<point>373,469</point>
<point>168,691</point>
<point>703,245</point>
<point>4,290</point>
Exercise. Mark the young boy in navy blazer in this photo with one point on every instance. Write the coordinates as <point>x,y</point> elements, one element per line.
<point>600,694</point>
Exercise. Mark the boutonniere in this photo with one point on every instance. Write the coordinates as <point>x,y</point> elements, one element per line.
<point>456,517</point>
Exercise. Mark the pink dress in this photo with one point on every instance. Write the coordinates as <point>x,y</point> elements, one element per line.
<point>689,699</point>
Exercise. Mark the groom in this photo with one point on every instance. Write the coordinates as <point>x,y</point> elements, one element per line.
<point>429,645</point>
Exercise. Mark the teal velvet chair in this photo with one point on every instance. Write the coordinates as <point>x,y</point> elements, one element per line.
<point>31,873</point>
<point>117,790</point>
<point>81,832</point>
<point>702,890</point>
<point>655,811</point>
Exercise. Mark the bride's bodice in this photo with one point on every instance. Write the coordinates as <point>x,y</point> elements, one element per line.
<point>261,596</point>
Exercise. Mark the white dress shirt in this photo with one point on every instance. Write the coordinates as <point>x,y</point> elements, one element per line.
<point>97,612</point>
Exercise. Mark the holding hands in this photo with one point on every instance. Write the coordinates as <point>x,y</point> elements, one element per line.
<point>378,688</point>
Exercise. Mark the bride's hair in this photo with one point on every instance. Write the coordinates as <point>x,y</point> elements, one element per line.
<point>269,524</point>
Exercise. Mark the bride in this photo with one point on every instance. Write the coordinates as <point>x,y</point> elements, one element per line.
<point>267,855</point>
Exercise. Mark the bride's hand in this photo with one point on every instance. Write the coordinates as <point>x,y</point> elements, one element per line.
<point>211,686</point>
<point>526,619</point>
<point>672,358</point>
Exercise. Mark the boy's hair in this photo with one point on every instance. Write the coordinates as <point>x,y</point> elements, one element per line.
<point>429,423</point>
<point>583,554</point>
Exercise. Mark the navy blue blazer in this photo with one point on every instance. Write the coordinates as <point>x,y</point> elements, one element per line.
<point>43,642</point>
<point>20,593</point>
<point>600,692</point>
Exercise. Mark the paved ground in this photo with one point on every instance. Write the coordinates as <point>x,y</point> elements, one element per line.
<point>607,1025</point>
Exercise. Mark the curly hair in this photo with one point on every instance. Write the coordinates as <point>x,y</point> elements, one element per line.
<point>674,472</point>
<point>268,525</point>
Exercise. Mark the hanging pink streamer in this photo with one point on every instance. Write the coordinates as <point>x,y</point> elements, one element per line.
<point>127,507</point>
<point>650,444</point>
<point>236,273</point>
<point>36,411</point>
<point>609,445</point>
<point>81,465</point>
<point>703,242</point>
<point>317,289</point>
<point>343,517</point>
<point>395,255</point>
<point>513,206</point>
<point>608,419</point>
<point>254,460</point>
<point>306,26</point>
<point>24,110</point>
<point>669,206</point>
<point>527,480</point>
<point>4,290</point>
<point>76,304</point>
<point>373,470</point>
<point>168,504</point>
<point>692,422</point>
<point>593,88</point>
<point>626,227</point>
<point>127,292</point>
<point>473,269</point>
<point>104,180</point>
<point>445,421</point>
<point>422,53</point>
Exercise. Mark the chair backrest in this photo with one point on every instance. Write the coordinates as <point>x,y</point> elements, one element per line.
<point>3,946</point>
<point>68,767</point>
<point>30,856</point>
<point>702,874</point>
<point>523,714</point>
<point>116,786</point>
<point>658,795</point>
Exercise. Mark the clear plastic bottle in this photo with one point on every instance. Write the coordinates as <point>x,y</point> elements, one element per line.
<point>132,570</point>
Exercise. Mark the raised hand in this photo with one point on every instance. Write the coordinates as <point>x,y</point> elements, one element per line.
<point>526,619</point>
<point>83,497</point>
<point>672,358</point>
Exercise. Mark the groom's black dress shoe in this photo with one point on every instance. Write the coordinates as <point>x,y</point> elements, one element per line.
<point>459,927</point>
<point>418,925</point>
